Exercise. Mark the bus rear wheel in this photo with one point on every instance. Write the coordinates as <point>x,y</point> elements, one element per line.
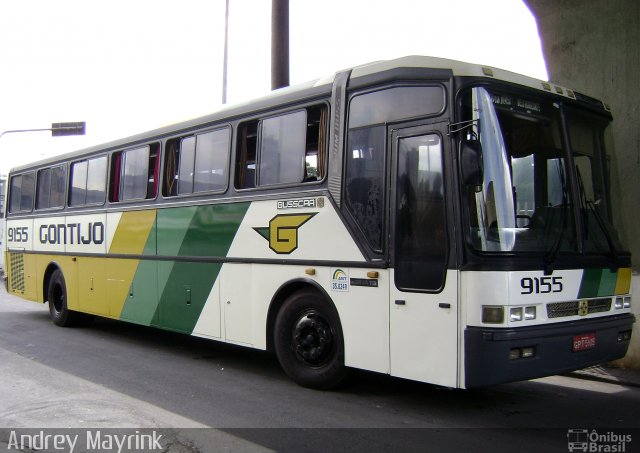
<point>308,341</point>
<point>57,298</point>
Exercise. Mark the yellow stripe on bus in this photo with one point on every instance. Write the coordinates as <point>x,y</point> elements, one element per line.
<point>623,284</point>
<point>133,231</point>
<point>130,238</point>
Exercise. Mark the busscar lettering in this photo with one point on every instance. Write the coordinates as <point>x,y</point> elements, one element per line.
<point>72,233</point>
<point>298,203</point>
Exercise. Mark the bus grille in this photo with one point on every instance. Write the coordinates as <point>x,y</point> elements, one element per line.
<point>562,309</point>
<point>16,261</point>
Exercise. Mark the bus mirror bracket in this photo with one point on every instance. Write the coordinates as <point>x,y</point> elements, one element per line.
<point>471,162</point>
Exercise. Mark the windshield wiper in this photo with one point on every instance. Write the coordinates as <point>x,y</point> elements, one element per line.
<point>591,206</point>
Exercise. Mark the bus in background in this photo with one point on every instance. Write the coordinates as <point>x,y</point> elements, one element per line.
<point>3,191</point>
<point>425,218</point>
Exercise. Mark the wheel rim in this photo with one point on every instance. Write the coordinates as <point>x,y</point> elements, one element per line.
<point>57,297</point>
<point>312,339</point>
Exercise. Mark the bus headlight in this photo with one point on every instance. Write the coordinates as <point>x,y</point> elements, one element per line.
<point>492,314</point>
<point>529,313</point>
<point>515,314</point>
<point>622,302</point>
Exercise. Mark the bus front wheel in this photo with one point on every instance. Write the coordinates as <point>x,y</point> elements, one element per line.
<point>308,341</point>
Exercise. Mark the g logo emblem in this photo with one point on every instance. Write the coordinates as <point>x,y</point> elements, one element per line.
<point>282,232</point>
<point>583,308</point>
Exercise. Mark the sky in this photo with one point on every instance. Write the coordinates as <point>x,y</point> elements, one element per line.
<point>129,66</point>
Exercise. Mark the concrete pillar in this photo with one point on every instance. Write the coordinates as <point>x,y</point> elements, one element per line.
<point>593,46</point>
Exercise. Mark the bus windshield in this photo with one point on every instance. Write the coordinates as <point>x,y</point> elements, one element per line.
<point>525,203</point>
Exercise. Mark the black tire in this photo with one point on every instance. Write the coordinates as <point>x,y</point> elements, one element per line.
<point>308,341</point>
<point>57,298</point>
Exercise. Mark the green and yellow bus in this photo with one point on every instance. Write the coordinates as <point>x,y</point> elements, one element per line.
<point>425,218</point>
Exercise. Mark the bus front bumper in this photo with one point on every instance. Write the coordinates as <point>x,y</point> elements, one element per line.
<point>491,355</point>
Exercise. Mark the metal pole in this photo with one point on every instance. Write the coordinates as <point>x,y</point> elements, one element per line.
<point>56,129</point>
<point>24,130</point>
<point>279,44</point>
<point>226,52</point>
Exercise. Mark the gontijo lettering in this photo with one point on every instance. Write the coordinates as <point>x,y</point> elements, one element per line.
<point>72,233</point>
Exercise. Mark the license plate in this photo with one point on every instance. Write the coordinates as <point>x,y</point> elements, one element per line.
<point>584,341</point>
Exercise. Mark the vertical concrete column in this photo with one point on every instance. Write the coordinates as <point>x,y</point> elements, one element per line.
<point>593,46</point>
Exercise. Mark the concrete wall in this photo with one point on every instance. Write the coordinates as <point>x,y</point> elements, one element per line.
<point>593,46</point>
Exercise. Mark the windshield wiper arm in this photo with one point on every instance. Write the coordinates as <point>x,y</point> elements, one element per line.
<point>590,205</point>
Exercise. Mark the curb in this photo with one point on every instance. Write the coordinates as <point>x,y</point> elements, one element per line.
<point>618,376</point>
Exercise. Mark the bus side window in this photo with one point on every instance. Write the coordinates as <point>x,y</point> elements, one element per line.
<point>211,161</point>
<point>22,189</point>
<point>50,187</point>
<point>171,168</point>
<point>246,162</point>
<point>87,182</point>
<point>134,173</point>
<point>364,183</point>
<point>316,148</point>
<point>153,170</point>
<point>284,149</point>
<point>43,188</point>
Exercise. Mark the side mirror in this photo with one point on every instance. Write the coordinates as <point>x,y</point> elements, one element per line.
<point>471,163</point>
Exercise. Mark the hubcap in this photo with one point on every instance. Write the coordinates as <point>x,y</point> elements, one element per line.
<point>312,339</point>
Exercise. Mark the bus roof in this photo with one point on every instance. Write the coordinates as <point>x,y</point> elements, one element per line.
<point>318,88</point>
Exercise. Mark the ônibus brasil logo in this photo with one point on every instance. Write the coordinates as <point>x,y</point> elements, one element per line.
<point>594,441</point>
<point>282,232</point>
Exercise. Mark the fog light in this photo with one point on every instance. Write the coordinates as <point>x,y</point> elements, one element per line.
<point>627,302</point>
<point>515,314</point>
<point>529,313</point>
<point>492,314</point>
<point>619,303</point>
<point>527,352</point>
<point>515,354</point>
<point>624,336</point>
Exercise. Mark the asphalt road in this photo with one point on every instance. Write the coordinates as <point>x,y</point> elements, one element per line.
<point>117,375</point>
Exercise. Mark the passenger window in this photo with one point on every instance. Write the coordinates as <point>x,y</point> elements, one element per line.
<point>44,186</point>
<point>58,185</point>
<point>211,161</point>
<point>246,167</point>
<point>88,182</point>
<point>51,188</point>
<point>282,150</point>
<point>197,163</point>
<point>134,173</point>
<point>285,149</point>
<point>22,188</point>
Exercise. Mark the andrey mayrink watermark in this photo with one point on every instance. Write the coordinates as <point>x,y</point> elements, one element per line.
<point>93,440</point>
<point>597,442</point>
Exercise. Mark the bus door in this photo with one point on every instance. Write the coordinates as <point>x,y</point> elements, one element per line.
<point>423,303</point>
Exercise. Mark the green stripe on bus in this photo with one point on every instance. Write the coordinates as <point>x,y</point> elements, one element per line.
<point>590,283</point>
<point>142,301</point>
<point>209,233</point>
<point>607,282</point>
<point>597,283</point>
<point>173,225</point>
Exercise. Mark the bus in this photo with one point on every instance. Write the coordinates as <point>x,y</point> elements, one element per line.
<point>429,219</point>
